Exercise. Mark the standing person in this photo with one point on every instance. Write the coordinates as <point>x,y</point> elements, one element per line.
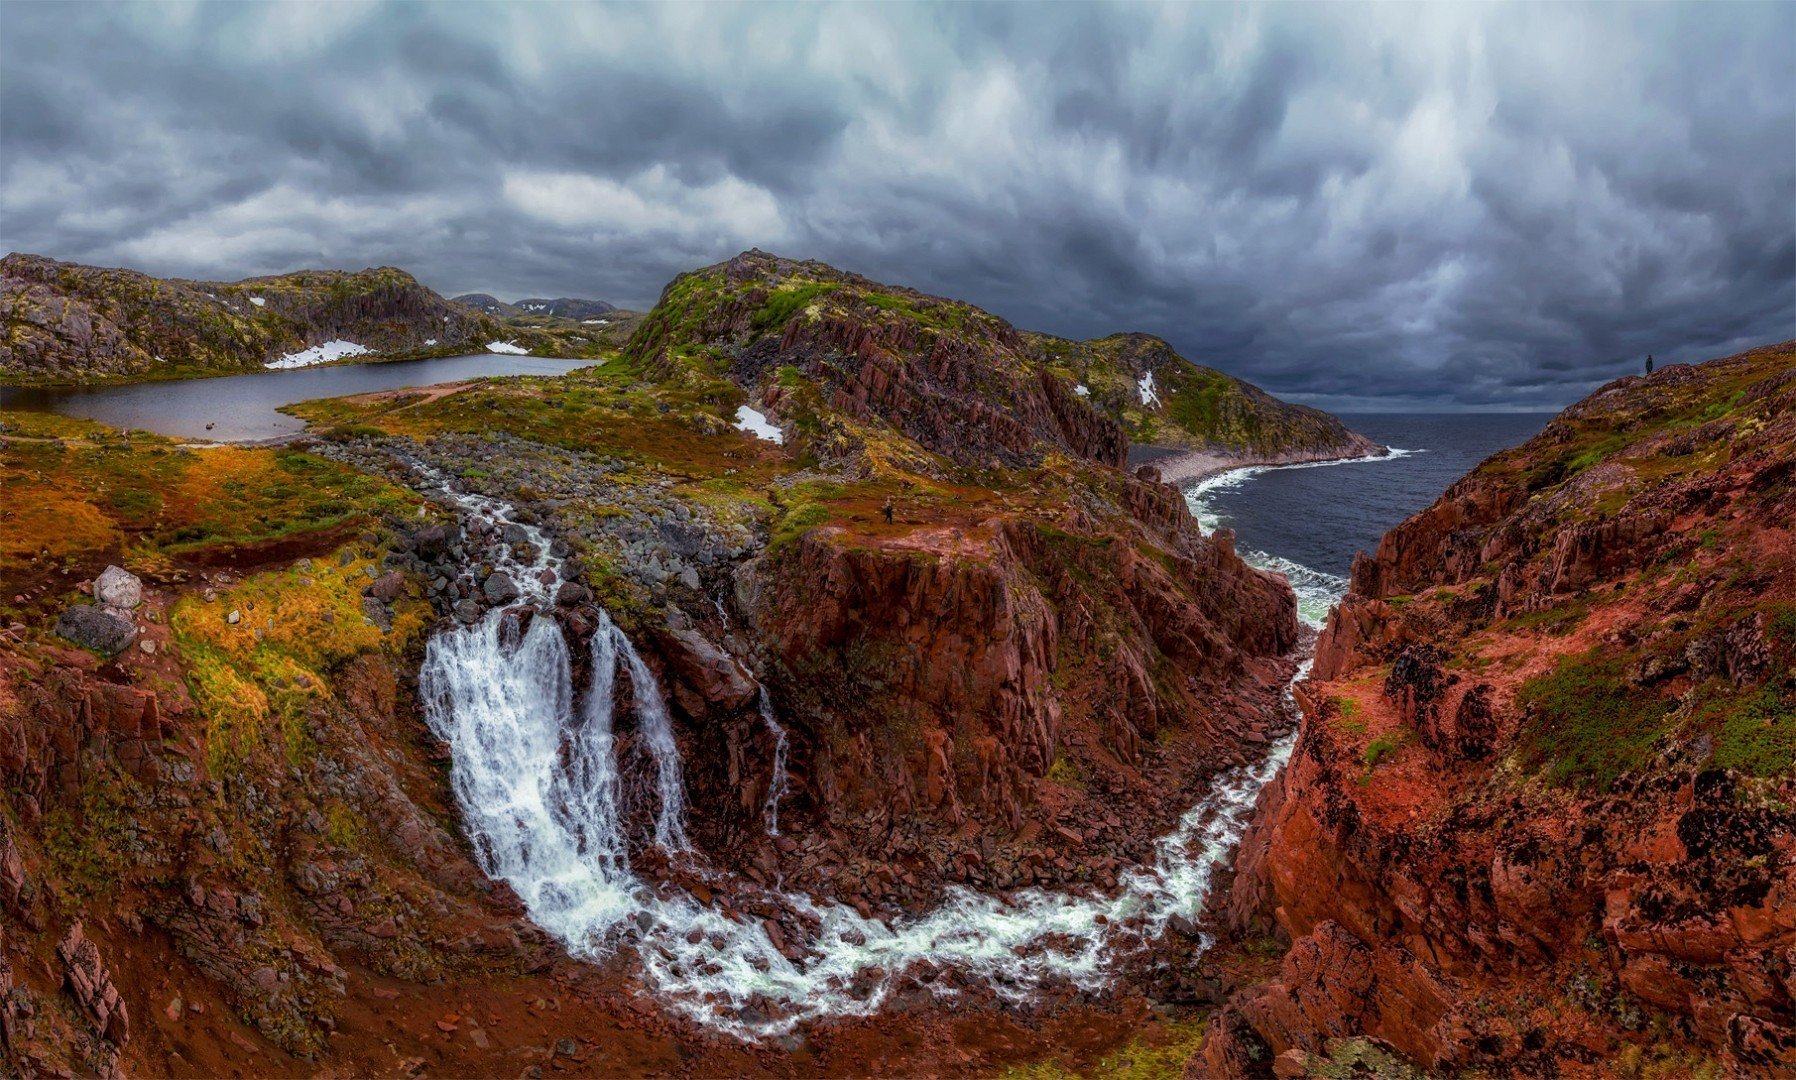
<point>887,509</point>
<point>1649,363</point>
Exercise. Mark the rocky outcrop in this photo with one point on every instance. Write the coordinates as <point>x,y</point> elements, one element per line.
<point>1166,402</point>
<point>940,681</point>
<point>806,339</point>
<point>65,321</point>
<point>1538,818</point>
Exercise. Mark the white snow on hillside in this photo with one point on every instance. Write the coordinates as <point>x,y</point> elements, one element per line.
<point>509,348</point>
<point>258,301</point>
<point>596,322</point>
<point>319,354</point>
<point>430,341</point>
<point>1082,390</point>
<point>1146,386</point>
<point>755,423</point>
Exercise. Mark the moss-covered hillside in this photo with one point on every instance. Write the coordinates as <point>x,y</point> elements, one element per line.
<point>1161,399</point>
<point>67,322</point>
<point>803,337</point>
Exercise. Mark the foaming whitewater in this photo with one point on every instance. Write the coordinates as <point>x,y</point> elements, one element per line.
<point>536,774</point>
<point>1317,590</point>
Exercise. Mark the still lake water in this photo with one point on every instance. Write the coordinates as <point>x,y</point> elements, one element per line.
<point>1308,521</point>
<point>242,407</point>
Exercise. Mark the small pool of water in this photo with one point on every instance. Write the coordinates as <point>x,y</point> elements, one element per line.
<point>241,408</point>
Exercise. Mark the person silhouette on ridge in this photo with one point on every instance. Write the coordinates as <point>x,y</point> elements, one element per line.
<point>1649,363</point>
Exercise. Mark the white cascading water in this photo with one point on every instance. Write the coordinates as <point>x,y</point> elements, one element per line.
<point>538,785</point>
<point>776,787</point>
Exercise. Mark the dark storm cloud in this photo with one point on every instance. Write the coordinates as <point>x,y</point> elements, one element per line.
<point>1401,206</point>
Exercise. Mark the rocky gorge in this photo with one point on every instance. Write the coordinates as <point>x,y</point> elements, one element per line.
<point>1539,815</point>
<point>865,678</point>
<point>229,791</point>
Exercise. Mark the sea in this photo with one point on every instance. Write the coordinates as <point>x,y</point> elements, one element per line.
<point>1308,521</point>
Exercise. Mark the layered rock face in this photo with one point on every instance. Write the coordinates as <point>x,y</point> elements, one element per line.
<point>963,690</point>
<point>64,320</point>
<point>1539,817</point>
<point>805,338</point>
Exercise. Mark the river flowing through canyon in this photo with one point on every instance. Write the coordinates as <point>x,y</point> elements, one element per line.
<point>536,772</point>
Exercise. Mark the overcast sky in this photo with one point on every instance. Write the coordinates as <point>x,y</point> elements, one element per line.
<point>1391,207</point>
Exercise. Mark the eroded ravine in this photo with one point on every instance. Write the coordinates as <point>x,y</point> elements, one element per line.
<point>536,773</point>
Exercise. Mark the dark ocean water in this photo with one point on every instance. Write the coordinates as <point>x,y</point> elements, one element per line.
<point>1308,521</point>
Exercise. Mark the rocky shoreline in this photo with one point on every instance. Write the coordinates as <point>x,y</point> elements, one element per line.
<point>1183,467</point>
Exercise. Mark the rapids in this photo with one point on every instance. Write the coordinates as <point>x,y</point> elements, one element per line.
<point>536,774</point>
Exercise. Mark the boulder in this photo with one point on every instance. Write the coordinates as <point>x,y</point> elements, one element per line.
<point>95,628</point>
<point>499,589</point>
<point>387,587</point>
<point>118,588</point>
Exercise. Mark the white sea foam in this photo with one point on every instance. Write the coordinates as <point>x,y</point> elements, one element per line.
<point>1317,590</point>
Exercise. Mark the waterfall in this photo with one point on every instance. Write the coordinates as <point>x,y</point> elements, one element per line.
<point>537,782</point>
<point>776,787</point>
<point>655,725</point>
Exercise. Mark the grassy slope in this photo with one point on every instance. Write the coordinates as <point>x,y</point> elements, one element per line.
<point>709,318</point>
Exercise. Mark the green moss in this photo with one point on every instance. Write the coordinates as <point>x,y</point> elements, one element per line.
<point>1587,723</point>
<point>89,845</point>
<point>788,301</point>
<point>1379,749</point>
<point>1562,619</point>
<point>1756,731</point>
<point>1065,771</point>
<point>1145,1058</point>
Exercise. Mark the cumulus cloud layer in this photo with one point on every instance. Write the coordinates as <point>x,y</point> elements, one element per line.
<point>1393,207</point>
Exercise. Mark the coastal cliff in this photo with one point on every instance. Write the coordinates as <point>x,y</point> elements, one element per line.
<point>1539,815</point>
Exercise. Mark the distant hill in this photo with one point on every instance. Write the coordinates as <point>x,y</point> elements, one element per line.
<point>560,308</point>
<point>65,320</point>
<point>960,381</point>
<point>492,305</point>
<point>566,308</point>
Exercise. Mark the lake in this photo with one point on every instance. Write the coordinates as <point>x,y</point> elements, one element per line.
<point>241,408</point>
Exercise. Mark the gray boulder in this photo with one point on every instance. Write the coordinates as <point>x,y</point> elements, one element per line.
<point>499,589</point>
<point>93,627</point>
<point>118,588</point>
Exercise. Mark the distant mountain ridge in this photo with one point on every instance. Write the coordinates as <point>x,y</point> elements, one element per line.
<point>67,320</point>
<point>561,308</point>
<point>62,321</point>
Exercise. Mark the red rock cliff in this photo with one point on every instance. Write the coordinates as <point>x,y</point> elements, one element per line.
<point>1539,817</point>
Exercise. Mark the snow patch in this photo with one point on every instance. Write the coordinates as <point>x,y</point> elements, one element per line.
<point>258,301</point>
<point>755,423</point>
<point>596,322</point>
<point>319,354</point>
<point>1146,386</point>
<point>430,341</point>
<point>509,348</point>
<point>1082,390</point>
